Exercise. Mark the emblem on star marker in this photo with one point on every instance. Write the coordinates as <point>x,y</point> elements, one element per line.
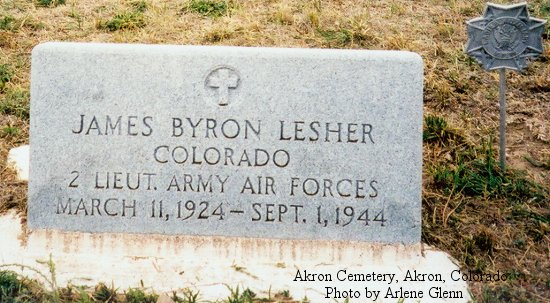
<point>505,37</point>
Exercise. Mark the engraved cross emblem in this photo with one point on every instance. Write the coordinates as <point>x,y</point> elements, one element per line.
<point>223,79</point>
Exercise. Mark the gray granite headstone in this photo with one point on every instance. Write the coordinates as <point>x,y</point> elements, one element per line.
<point>228,141</point>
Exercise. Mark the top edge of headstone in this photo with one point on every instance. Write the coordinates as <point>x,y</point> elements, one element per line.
<point>358,54</point>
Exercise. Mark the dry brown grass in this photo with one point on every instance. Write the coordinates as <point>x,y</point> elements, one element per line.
<point>483,233</point>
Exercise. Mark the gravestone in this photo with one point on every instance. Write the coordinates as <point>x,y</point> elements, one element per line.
<point>236,162</point>
<point>226,141</point>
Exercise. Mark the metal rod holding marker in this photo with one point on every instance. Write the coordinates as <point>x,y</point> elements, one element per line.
<point>502,102</point>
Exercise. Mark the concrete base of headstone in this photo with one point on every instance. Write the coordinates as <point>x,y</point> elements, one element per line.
<point>212,264</point>
<point>18,160</point>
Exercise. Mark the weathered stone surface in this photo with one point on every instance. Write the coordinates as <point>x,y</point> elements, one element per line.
<point>227,141</point>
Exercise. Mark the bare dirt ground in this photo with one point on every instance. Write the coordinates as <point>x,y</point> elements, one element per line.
<point>495,229</point>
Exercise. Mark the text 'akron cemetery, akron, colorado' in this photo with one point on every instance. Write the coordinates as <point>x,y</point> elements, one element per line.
<point>228,141</point>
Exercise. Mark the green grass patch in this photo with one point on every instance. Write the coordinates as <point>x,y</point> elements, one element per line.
<point>541,9</point>
<point>7,23</point>
<point>246,296</point>
<point>282,296</point>
<point>339,37</point>
<point>355,31</point>
<point>75,294</point>
<point>473,170</point>
<point>6,75</point>
<point>438,131</point>
<point>50,3</point>
<point>545,9</point>
<point>16,289</point>
<point>103,293</point>
<point>10,286</point>
<point>139,6</point>
<point>124,21</point>
<point>9,131</point>
<point>12,24</point>
<point>189,296</point>
<point>15,102</point>
<point>137,295</point>
<point>476,172</point>
<point>209,8</point>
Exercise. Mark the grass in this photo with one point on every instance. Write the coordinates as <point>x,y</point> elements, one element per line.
<point>209,8</point>
<point>5,75</point>
<point>128,20</point>
<point>188,296</point>
<point>7,23</point>
<point>336,38</point>
<point>131,18</point>
<point>355,31</point>
<point>484,209</point>
<point>139,6</point>
<point>15,102</point>
<point>12,24</point>
<point>236,296</point>
<point>541,8</point>
<point>485,218</point>
<point>50,3</point>
<point>136,295</point>
<point>476,173</point>
<point>437,131</point>
<point>11,287</point>
<point>15,288</point>
<point>104,293</point>
<point>9,131</point>
<point>18,289</point>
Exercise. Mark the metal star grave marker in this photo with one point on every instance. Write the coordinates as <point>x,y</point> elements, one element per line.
<point>504,38</point>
